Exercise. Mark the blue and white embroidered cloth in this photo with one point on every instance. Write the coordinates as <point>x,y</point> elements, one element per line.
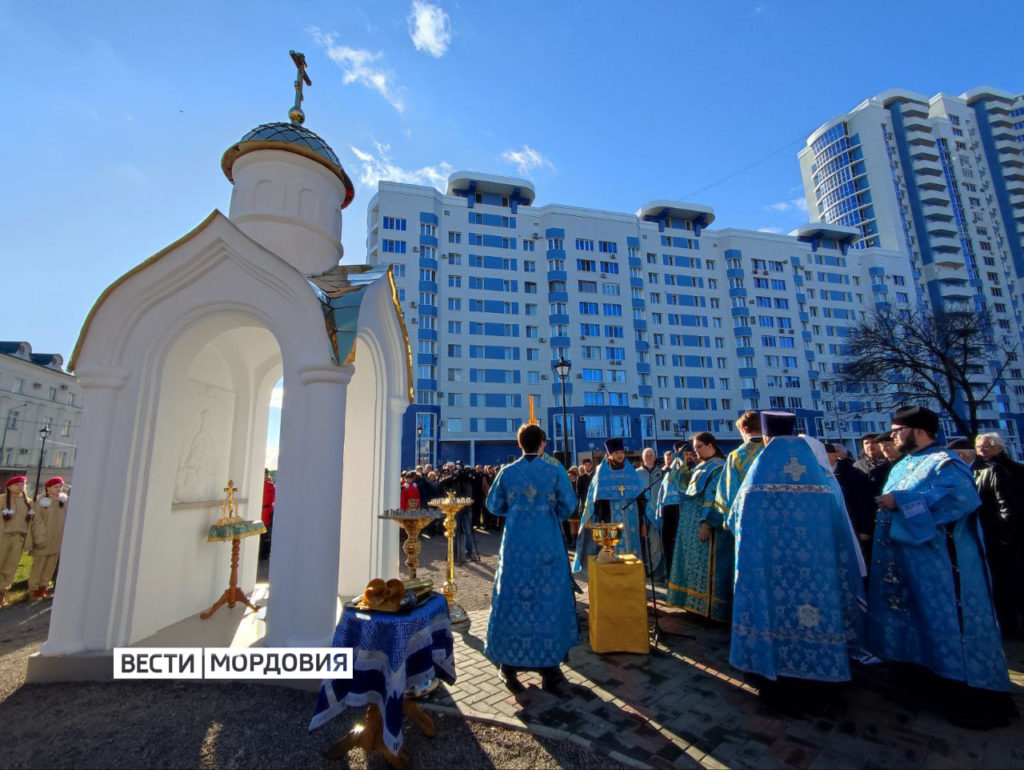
<point>391,654</point>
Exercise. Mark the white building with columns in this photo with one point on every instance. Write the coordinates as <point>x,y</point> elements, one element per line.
<point>177,361</point>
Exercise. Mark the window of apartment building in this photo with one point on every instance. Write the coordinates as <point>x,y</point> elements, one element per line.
<point>530,287</point>
<point>394,223</point>
<point>588,308</point>
<point>555,244</point>
<point>454,237</point>
<point>454,303</point>
<point>393,247</point>
<point>608,247</point>
<point>455,281</point>
<point>532,354</point>
<point>428,229</point>
<point>584,244</point>
<point>529,266</point>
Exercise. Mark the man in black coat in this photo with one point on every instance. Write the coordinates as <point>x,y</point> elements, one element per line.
<point>872,453</point>
<point>1001,486</point>
<point>857,494</point>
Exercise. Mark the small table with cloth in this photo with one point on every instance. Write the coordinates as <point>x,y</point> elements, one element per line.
<point>392,653</point>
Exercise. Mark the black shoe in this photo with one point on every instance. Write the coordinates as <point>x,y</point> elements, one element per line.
<point>509,676</point>
<point>554,682</point>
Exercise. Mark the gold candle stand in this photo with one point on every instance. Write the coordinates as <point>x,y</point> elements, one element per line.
<point>413,523</point>
<point>450,505</point>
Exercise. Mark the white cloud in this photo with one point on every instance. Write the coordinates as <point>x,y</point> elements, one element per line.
<point>793,204</point>
<point>525,159</point>
<point>378,165</point>
<point>775,230</point>
<point>277,397</point>
<point>360,66</point>
<point>430,28</point>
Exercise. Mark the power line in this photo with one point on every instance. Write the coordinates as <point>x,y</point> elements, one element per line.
<point>749,166</point>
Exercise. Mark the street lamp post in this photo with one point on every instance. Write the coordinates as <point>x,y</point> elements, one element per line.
<point>44,432</point>
<point>419,444</point>
<point>562,369</point>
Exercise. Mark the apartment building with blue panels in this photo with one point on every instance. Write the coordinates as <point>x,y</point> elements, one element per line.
<point>671,327</point>
<point>942,180</point>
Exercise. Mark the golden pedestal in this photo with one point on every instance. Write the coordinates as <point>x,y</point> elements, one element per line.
<point>618,606</point>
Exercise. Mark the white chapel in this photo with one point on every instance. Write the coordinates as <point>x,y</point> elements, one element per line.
<point>177,361</point>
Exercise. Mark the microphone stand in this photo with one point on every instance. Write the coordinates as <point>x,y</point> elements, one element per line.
<point>657,631</point>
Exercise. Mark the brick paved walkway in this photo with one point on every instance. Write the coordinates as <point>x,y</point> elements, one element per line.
<point>688,709</point>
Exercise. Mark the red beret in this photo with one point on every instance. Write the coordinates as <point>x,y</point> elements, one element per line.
<point>15,479</point>
<point>54,480</point>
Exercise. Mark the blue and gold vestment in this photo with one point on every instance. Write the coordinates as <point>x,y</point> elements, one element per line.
<point>533,613</point>
<point>919,610</point>
<point>700,578</point>
<point>798,602</point>
<point>620,488</point>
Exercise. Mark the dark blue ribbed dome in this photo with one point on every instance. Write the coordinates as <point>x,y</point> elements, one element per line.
<point>291,133</point>
<point>291,137</point>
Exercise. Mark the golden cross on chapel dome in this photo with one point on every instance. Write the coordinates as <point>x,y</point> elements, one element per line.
<point>295,114</point>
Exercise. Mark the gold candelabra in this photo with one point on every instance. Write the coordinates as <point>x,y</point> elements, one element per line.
<point>413,522</point>
<point>450,505</point>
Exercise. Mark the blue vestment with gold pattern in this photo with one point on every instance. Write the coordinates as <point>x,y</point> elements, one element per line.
<point>701,574</point>
<point>918,609</point>
<point>621,488</point>
<point>798,601</point>
<point>533,612</point>
<point>737,464</point>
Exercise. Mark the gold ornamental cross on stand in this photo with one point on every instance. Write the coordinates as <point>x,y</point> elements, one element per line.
<point>295,114</point>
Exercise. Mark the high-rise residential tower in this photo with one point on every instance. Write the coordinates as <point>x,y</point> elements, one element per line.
<point>942,180</point>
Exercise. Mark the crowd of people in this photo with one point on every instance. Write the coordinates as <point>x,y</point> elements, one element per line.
<point>911,555</point>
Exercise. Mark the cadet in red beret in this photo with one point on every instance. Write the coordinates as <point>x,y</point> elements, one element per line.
<point>17,515</point>
<point>46,535</point>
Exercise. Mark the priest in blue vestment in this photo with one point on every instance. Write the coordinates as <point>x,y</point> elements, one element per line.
<point>612,497</point>
<point>700,578</point>
<point>533,612</point>
<point>798,606</point>
<point>739,461</point>
<point>930,597</point>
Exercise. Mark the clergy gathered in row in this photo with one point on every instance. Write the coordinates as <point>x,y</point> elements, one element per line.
<point>762,538</point>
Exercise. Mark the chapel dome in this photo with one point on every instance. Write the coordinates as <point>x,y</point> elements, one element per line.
<point>290,137</point>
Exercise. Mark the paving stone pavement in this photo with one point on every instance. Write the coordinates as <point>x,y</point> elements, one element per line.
<point>687,708</point>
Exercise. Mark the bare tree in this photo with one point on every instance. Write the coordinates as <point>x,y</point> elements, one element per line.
<point>952,357</point>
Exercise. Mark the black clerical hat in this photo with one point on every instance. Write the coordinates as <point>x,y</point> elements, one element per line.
<point>777,424</point>
<point>960,443</point>
<point>917,417</point>
<point>614,445</point>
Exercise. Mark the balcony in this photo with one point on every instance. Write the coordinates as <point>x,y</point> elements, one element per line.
<point>944,243</point>
<point>955,291</point>
<point>928,167</point>
<point>934,195</point>
<point>939,228</point>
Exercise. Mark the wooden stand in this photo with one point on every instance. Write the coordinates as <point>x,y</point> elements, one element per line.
<point>233,594</point>
<point>367,735</point>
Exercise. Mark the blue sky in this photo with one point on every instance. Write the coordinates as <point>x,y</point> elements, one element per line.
<point>118,113</point>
